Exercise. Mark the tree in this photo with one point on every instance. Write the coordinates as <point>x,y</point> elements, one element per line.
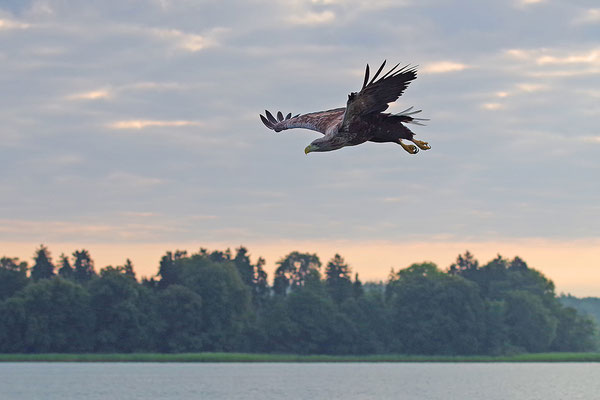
<point>42,267</point>
<point>464,265</point>
<point>294,270</point>
<point>119,303</point>
<point>588,306</point>
<point>220,256</point>
<point>307,322</point>
<point>260,285</point>
<point>435,313</point>
<point>531,325</point>
<point>13,276</point>
<point>66,270</point>
<point>574,332</point>
<point>226,301</point>
<point>58,317</point>
<point>495,339</point>
<point>169,269</point>
<point>253,275</point>
<point>517,264</point>
<point>357,287</point>
<point>125,269</point>
<point>181,325</point>
<point>83,266</point>
<point>13,325</point>
<point>244,266</point>
<point>337,279</point>
<point>371,321</point>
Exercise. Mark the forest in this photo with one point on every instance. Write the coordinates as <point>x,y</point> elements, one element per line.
<point>222,301</point>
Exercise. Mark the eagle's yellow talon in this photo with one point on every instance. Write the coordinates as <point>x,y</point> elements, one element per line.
<point>409,147</point>
<point>422,145</point>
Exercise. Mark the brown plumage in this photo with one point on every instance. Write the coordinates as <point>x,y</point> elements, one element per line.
<point>362,119</point>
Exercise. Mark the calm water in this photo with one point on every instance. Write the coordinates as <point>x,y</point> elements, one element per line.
<point>144,381</point>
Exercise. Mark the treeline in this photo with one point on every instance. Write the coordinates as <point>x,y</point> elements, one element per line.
<point>589,306</point>
<point>221,301</point>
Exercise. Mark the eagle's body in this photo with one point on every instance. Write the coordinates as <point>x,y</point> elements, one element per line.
<point>362,119</point>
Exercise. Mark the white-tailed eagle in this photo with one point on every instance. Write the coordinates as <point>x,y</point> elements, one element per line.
<point>363,119</point>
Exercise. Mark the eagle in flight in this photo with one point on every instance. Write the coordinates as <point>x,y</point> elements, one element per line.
<point>363,119</point>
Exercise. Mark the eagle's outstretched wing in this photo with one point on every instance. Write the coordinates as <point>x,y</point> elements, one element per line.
<point>377,93</point>
<point>317,121</point>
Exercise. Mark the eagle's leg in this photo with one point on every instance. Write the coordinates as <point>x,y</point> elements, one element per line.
<point>422,145</point>
<point>408,147</point>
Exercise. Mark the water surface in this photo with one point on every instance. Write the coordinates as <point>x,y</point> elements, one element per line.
<point>302,381</point>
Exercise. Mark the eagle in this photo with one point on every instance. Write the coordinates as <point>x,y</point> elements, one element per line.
<point>363,119</point>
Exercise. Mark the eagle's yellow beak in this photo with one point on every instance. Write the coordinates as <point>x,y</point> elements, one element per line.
<point>308,149</point>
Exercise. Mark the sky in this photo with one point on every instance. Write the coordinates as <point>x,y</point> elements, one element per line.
<point>130,127</point>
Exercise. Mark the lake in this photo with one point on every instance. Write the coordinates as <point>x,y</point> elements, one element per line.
<point>290,381</point>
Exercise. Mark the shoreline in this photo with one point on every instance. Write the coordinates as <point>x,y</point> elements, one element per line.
<point>293,358</point>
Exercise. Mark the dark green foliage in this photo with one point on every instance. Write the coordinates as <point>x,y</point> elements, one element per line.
<point>119,303</point>
<point>294,270</point>
<point>216,301</point>
<point>65,270</point>
<point>307,322</point>
<point>435,313</point>
<point>169,270</point>
<point>225,301</point>
<point>589,306</point>
<point>42,267</point>
<point>252,275</point>
<point>522,311</point>
<point>574,332</point>
<point>13,276</point>
<point>337,279</point>
<point>13,326</point>
<point>57,317</point>
<point>83,265</point>
<point>371,320</point>
<point>531,325</point>
<point>180,313</point>
<point>495,339</point>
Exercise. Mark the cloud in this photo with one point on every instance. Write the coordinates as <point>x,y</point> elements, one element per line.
<point>91,95</point>
<point>492,106</point>
<point>187,41</point>
<point>555,62</point>
<point>528,2</point>
<point>591,16</point>
<point>7,24</point>
<point>591,139</point>
<point>312,18</point>
<point>139,214</point>
<point>131,180</point>
<point>441,67</point>
<point>154,86</point>
<point>82,230</point>
<point>531,87</point>
<point>548,56</point>
<point>182,40</point>
<point>146,123</point>
<point>587,57</point>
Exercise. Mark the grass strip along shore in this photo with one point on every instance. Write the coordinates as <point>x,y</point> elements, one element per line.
<point>248,357</point>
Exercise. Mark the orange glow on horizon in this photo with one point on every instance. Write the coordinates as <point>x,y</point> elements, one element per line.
<point>572,265</point>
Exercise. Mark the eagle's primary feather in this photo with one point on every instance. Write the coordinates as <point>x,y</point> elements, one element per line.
<point>362,119</point>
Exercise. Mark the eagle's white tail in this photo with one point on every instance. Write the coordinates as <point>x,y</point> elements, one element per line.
<point>406,115</point>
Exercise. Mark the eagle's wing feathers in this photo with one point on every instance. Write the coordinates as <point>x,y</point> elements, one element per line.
<point>317,121</point>
<point>377,93</point>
